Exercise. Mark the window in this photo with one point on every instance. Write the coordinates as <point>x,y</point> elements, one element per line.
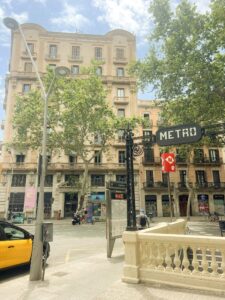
<point>20,158</point>
<point>198,155</point>
<point>98,53</point>
<point>214,155</point>
<point>122,157</point>
<point>119,53</point>
<point>12,233</point>
<point>147,136</point>
<point>149,178</point>
<point>201,178</point>
<point>75,52</point>
<point>216,178</point>
<point>121,178</point>
<point>120,92</point>
<point>28,67</point>
<point>164,179</point>
<point>75,70</point>
<point>98,139</point>
<point>121,112</point>
<point>53,51</point>
<point>98,180</point>
<point>183,175</point>
<point>26,87</point>
<point>146,116</point>
<point>120,72</point>
<point>72,159</point>
<point>121,136</point>
<point>19,180</point>
<point>48,180</point>
<point>149,155</point>
<point>16,202</point>
<point>31,47</point>
<point>71,179</point>
<point>99,71</point>
<point>98,158</point>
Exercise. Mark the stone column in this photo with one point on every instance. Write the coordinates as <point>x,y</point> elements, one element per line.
<point>131,266</point>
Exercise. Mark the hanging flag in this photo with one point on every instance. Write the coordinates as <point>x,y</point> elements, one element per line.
<point>168,162</point>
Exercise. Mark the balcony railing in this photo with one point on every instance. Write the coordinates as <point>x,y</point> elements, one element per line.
<point>120,60</point>
<point>75,58</point>
<point>121,100</point>
<point>180,160</point>
<point>156,185</point>
<point>52,57</point>
<point>207,161</point>
<point>151,160</point>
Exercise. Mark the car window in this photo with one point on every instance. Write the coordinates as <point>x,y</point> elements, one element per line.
<point>1,235</point>
<point>12,233</point>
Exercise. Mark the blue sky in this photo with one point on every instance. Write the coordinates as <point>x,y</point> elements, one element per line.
<point>84,16</point>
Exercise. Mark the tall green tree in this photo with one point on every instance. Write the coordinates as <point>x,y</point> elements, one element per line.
<point>78,112</point>
<point>185,66</point>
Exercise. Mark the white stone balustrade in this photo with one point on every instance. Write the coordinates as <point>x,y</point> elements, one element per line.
<point>164,254</point>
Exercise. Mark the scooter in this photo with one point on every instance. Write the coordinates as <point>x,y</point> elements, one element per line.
<point>76,219</point>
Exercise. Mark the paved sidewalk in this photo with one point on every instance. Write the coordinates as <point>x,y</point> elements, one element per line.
<point>95,278</point>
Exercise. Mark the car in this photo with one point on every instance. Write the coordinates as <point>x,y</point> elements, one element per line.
<point>16,246</point>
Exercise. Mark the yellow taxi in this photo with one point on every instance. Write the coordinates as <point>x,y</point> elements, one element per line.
<point>15,245</point>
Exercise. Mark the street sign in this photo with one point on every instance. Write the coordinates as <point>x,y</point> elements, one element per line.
<point>117,185</point>
<point>176,135</point>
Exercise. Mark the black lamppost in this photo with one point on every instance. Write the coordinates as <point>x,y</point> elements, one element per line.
<point>131,213</point>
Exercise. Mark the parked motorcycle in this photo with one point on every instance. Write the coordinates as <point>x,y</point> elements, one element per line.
<point>76,219</point>
<point>214,217</point>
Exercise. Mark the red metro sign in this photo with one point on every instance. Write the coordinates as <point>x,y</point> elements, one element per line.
<point>168,162</point>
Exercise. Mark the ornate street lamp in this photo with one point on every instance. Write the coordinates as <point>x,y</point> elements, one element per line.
<point>36,260</point>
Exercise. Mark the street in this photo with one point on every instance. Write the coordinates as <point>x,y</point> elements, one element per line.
<point>75,243</point>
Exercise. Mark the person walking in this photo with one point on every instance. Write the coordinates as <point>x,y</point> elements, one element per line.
<point>142,220</point>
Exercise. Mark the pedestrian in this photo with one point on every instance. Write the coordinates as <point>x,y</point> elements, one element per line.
<point>142,220</point>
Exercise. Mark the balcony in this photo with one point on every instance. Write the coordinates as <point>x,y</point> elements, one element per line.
<point>201,185</point>
<point>120,60</point>
<point>207,161</point>
<point>75,58</point>
<point>156,186</point>
<point>182,186</point>
<point>121,100</point>
<point>52,57</point>
<point>151,160</point>
<point>180,160</point>
<point>25,54</point>
<point>216,186</point>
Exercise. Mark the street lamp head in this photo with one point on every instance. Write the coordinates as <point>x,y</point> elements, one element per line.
<point>62,71</point>
<point>11,23</point>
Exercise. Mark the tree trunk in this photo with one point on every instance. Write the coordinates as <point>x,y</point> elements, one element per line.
<point>190,195</point>
<point>83,187</point>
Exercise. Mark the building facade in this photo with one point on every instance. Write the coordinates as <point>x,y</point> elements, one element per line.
<point>115,50</point>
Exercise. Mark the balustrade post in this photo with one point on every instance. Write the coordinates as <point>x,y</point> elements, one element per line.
<point>132,257</point>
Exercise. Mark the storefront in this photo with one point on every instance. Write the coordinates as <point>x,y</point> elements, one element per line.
<point>203,204</point>
<point>165,206</point>
<point>97,205</point>
<point>70,204</point>
<point>183,200</point>
<point>151,205</point>
<point>218,200</point>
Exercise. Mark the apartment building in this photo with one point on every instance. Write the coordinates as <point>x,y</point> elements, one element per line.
<point>115,50</point>
<point>206,175</point>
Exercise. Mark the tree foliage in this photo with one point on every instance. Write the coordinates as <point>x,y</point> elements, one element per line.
<point>185,63</point>
<point>185,66</point>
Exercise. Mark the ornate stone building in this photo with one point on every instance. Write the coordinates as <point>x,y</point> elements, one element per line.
<point>116,50</point>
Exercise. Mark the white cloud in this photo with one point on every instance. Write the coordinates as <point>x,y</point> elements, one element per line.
<point>70,19</point>
<point>126,14</point>
<point>21,18</point>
